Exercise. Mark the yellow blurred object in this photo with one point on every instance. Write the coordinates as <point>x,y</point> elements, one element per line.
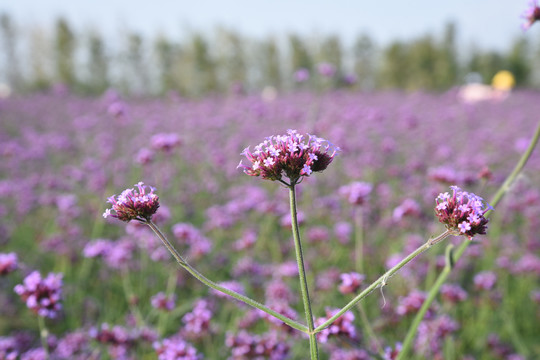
<point>503,80</point>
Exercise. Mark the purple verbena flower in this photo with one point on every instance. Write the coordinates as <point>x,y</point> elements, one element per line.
<point>42,296</point>
<point>163,302</point>
<point>8,263</point>
<point>134,205</point>
<point>165,142</point>
<point>531,15</point>
<point>453,293</point>
<point>462,212</point>
<point>326,69</point>
<point>357,193</point>
<point>301,75</point>
<point>292,155</point>
<point>485,280</point>
<point>411,303</point>
<point>247,346</point>
<point>342,326</point>
<point>354,354</point>
<point>175,348</point>
<point>350,282</point>
<point>408,207</point>
<point>197,322</point>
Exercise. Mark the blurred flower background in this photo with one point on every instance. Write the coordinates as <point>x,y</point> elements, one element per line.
<point>90,106</point>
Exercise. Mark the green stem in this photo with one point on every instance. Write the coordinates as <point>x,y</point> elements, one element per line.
<point>180,260</point>
<point>43,334</point>
<point>503,189</point>
<point>130,297</point>
<point>313,349</point>
<point>381,281</point>
<point>359,239</point>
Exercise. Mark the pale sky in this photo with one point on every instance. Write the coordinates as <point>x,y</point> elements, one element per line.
<point>491,24</point>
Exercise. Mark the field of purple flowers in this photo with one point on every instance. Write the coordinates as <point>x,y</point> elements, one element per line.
<point>110,290</point>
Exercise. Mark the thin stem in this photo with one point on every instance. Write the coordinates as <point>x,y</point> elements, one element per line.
<point>441,279</point>
<point>180,260</point>
<point>359,239</point>
<point>313,349</point>
<point>43,334</point>
<point>381,281</point>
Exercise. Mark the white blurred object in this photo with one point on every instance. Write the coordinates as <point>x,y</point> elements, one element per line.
<point>269,94</point>
<point>473,93</point>
<point>5,91</point>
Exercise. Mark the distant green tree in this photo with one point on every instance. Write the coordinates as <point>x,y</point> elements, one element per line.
<point>364,53</point>
<point>331,51</point>
<point>65,51</point>
<point>269,63</point>
<point>204,65</point>
<point>98,64</point>
<point>41,60</point>
<point>232,57</point>
<point>447,65</point>
<point>300,56</point>
<point>9,40</point>
<point>137,78</point>
<point>394,72</point>
<point>487,64</point>
<point>519,62</point>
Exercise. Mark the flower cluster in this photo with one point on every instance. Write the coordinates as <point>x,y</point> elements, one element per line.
<point>8,263</point>
<point>133,204</point>
<point>531,15</point>
<point>342,326</point>
<point>175,348</point>
<point>357,192</point>
<point>291,155</point>
<point>163,301</point>
<point>350,282</point>
<point>462,212</point>
<point>42,296</point>
<point>247,346</point>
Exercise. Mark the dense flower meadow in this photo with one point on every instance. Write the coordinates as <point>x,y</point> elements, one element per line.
<point>76,285</point>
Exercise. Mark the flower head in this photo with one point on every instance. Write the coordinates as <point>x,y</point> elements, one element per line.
<point>8,263</point>
<point>42,296</point>
<point>293,155</point>
<point>357,193</point>
<point>531,15</point>
<point>174,348</point>
<point>462,212</point>
<point>134,205</point>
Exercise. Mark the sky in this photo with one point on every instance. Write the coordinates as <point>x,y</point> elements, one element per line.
<point>489,24</point>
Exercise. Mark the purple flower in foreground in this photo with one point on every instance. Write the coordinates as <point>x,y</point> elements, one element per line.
<point>531,15</point>
<point>8,263</point>
<point>293,155</point>
<point>42,296</point>
<point>175,348</point>
<point>133,204</point>
<point>462,212</point>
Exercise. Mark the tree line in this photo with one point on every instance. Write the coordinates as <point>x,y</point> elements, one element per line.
<point>225,60</point>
